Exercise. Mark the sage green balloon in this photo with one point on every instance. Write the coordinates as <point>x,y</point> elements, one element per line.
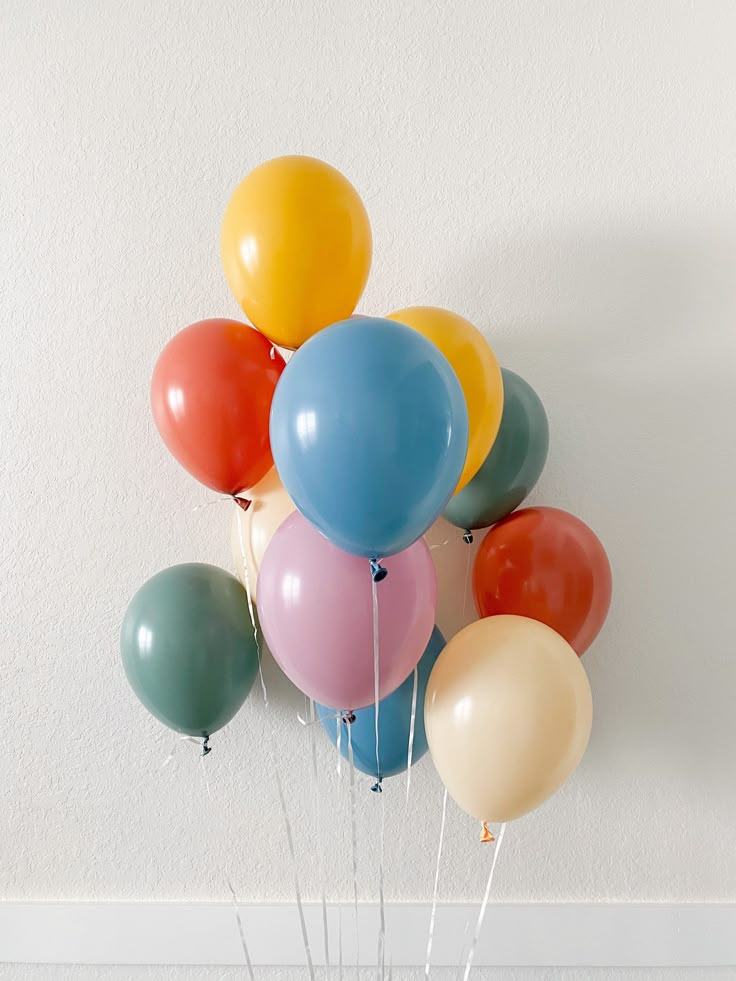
<point>514,464</point>
<point>188,647</point>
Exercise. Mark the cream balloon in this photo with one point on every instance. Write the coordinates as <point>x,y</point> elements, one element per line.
<point>507,712</point>
<point>253,529</point>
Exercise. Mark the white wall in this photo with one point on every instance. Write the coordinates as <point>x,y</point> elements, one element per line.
<point>562,173</point>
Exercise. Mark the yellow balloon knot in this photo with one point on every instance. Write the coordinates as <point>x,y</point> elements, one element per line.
<point>485,833</point>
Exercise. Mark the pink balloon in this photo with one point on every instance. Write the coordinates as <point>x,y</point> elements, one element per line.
<point>316,611</point>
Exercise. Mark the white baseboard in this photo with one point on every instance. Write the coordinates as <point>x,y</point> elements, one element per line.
<point>533,935</point>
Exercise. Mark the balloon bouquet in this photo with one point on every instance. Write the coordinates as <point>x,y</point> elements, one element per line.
<point>338,463</point>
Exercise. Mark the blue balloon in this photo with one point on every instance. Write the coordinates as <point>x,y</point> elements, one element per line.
<point>394,722</point>
<point>369,431</point>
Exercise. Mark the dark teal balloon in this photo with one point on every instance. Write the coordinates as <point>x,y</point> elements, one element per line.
<point>514,464</point>
<point>188,647</point>
<point>394,722</point>
<point>369,432</point>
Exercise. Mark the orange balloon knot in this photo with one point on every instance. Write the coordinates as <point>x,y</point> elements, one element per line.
<point>485,833</point>
<point>206,748</point>
<point>348,718</point>
<point>468,536</point>
<point>378,572</point>
<point>377,788</point>
<point>242,502</point>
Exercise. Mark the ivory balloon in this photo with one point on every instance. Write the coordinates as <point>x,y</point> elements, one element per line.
<point>253,529</point>
<point>508,712</point>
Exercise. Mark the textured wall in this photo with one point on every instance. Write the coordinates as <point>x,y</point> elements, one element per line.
<point>562,174</point>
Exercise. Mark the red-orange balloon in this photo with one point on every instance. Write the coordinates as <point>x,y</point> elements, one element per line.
<point>545,564</point>
<point>211,395</point>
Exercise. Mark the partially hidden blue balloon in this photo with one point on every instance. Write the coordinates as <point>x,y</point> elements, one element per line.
<point>394,722</point>
<point>369,431</point>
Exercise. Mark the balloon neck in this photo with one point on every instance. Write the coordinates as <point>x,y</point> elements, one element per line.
<point>242,502</point>
<point>468,536</point>
<point>378,572</point>
<point>485,833</point>
<point>348,718</point>
<point>206,748</point>
<point>377,788</point>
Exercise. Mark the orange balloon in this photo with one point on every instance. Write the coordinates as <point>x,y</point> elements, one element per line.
<point>211,395</point>
<point>296,248</point>
<point>548,565</point>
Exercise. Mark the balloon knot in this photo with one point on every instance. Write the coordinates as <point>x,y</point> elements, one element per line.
<point>377,788</point>
<point>206,748</point>
<point>378,572</point>
<point>348,718</point>
<point>485,834</point>
<point>242,502</point>
<point>468,536</point>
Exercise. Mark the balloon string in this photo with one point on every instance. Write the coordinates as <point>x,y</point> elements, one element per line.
<point>376,685</point>
<point>380,964</point>
<point>179,743</point>
<point>338,723</point>
<point>228,880</point>
<point>433,914</point>
<point>465,589</point>
<point>317,816</point>
<point>274,766</point>
<point>376,698</point>
<point>484,904</point>
<point>354,842</point>
<point>412,726</point>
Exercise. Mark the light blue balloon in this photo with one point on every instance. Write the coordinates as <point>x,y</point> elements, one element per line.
<point>394,722</point>
<point>369,431</point>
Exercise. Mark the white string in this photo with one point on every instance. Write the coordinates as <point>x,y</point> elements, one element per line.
<point>376,670</point>
<point>274,764</point>
<point>433,914</point>
<point>319,835</point>
<point>412,726</point>
<point>339,746</point>
<point>376,699</point>
<point>231,889</point>
<point>465,588</point>
<point>381,965</point>
<point>354,839</point>
<point>484,904</point>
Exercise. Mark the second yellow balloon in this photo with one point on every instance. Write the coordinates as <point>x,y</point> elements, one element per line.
<point>477,370</point>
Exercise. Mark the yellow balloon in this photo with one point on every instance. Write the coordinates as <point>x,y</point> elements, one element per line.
<point>507,712</point>
<point>477,370</point>
<point>253,529</point>
<point>296,248</point>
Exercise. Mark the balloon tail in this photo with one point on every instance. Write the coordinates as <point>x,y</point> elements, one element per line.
<point>206,748</point>
<point>228,880</point>
<point>377,788</point>
<point>347,718</point>
<point>483,905</point>
<point>274,764</point>
<point>468,536</point>
<point>242,502</point>
<point>433,914</point>
<point>378,571</point>
<point>485,833</point>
